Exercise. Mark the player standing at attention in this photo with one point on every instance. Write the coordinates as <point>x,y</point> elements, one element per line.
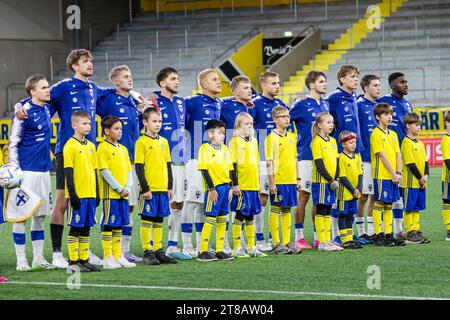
<point>173,110</point>
<point>415,173</point>
<point>264,124</point>
<point>350,186</point>
<point>82,192</point>
<point>199,110</point>
<point>284,180</point>
<point>371,86</point>
<point>324,177</point>
<point>29,149</point>
<point>303,115</point>
<point>2,217</point>
<point>246,203</point>
<point>445,147</point>
<point>386,171</point>
<point>115,185</point>
<point>215,164</point>
<point>119,103</point>
<point>154,170</point>
<point>401,107</point>
<point>344,109</point>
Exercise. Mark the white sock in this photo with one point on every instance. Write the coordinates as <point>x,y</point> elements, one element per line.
<point>37,236</point>
<point>187,216</point>
<point>370,229</point>
<point>360,226</point>
<point>19,239</point>
<point>397,225</point>
<point>299,231</point>
<point>259,225</point>
<point>334,227</point>
<point>198,218</point>
<point>126,235</point>
<point>174,227</point>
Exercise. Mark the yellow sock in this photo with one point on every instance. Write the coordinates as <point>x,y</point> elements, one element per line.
<point>416,220</point>
<point>157,236</point>
<point>146,234</point>
<point>327,227</point>
<point>387,219</point>
<point>117,243</point>
<point>250,233</point>
<point>72,245</point>
<point>446,215</point>
<point>220,232</point>
<point>286,225</point>
<point>408,220</point>
<point>274,223</point>
<point>206,232</point>
<point>343,234</point>
<point>237,231</point>
<point>320,228</point>
<point>84,248</point>
<point>377,213</point>
<point>107,243</point>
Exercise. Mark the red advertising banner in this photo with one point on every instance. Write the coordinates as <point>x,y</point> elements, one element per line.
<point>433,150</point>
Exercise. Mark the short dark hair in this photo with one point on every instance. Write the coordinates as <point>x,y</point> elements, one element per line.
<point>214,124</point>
<point>312,77</point>
<point>382,108</point>
<point>79,114</point>
<point>109,121</point>
<point>412,118</point>
<point>394,76</point>
<point>149,111</point>
<point>365,81</point>
<point>344,71</point>
<point>32,81</point>
<point>164,73</point>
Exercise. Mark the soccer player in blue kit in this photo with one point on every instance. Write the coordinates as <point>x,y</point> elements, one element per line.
<point>401,107</point>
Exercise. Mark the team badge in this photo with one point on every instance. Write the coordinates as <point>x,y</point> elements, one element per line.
<point>314,114</point>
<point>280,198</point>
<point>198,194</point>
<point>385,194</point>
<point>77,218</point>
<point>206,111</point>
<point>75,100</point>
<point>165,115</point>
<point>122,110</point>
<point>21,198</point>
<point>370,187</point>
<point>147,208</point>
<point>268,115</point>
<point>39,127</point>
<point>346,109</point>
<point>113,218</point>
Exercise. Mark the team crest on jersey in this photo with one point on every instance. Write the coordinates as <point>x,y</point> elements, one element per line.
<point>385,194</point>
<point>147,208</point>
<point>198,194</point>
<point>314,114</point>
<point>206,111</point>
<point>75,100</point>
<point>268,115</point>
<point>122,110</point>
<point>279,198</point>
<point>370,187</point>
<point>39,127</point>
<point>185,185</point>
<point>291,142</point>
<point>21,198</point>
<point>165,115</point>
<point>113,218</point>
<point>266,186</point>
<point>394,114</point>
<point>346,109</point>
<point>77,218</point>
<point>329,198</point>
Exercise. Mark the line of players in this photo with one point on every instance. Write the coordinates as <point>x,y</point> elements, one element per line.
<point>190,116</point>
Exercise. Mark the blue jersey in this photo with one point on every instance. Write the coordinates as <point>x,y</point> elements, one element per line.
<point>264,123</point>
<point>199,110</point>
<point>401,107</point>
<point>174,117</point>
<point>368,123</point>
<point>230,109</point>
<point>344,109</point>
<point>29,141</point>
<point>303,115</point>
<point>113,104</point>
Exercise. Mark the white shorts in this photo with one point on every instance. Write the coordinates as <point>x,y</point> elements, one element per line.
<point>263,178</point>
<point>194,186</point>
<point>133,197</point>
<point>367,179</point>
<point>179,182</point>
<point>305,168</point>
<point>40,184</point>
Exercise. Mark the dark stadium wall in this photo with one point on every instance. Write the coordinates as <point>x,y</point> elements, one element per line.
<point>21,58</point>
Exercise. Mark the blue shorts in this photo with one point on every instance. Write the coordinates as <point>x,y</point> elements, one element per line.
<point>158,206</point>
<point>347,207</point>
<point>322,194</point>
<point>286,196</point>
<point>446,190</point>
<point>248,203</point>
<point>115,213</point>
<point>222,206</point>
<point>414,199</point>
<point>84,216</point>
<point>386,191</point>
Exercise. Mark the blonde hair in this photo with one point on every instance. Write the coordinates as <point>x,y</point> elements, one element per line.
<point>203,74</point>
<point>114,73</point>
<point>277,110</point>
<point>319,119</point>
<point>239,118</point>
<point>237,80</point>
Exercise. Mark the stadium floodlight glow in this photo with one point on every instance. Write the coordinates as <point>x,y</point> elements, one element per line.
<point>288,33</point>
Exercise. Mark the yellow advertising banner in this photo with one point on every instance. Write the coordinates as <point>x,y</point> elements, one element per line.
<point>432,120</point>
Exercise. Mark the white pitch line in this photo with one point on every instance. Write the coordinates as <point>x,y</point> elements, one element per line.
<point>297,293</point>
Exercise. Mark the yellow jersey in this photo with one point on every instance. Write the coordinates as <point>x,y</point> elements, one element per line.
<point>245,154</point>
<point>413,151</point>
<point>445,148</point>
<point>154,154</point>
<point>217,162</point>
<point>82,157</point>
<point>350,168</point>
<point>115,159</point>
<point>282,150</point>
<point>325,149</point>
<point>387,142</point>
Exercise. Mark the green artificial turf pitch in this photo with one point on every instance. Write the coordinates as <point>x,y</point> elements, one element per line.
<point>420,271</point>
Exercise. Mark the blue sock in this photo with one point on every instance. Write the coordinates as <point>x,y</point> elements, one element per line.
<point>19,238</point>
<point>398,213</point>
<point>126,231</point>
<point>37,235</point>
